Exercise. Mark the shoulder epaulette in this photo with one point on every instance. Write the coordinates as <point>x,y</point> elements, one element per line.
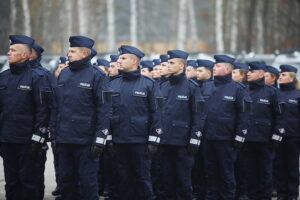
<point>99,70</point>
<point>194,82</point>
<point>38,71</point>
<point>241,84</point>
<point>147,77</point>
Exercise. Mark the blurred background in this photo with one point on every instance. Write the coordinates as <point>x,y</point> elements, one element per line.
<point>267,30</point>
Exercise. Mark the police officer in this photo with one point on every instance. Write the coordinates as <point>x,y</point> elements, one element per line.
<point>24,121</point>
<point>203,74</point>
<point>62,63</point>
<point>271,76</point>
<point>191,70</point>
<point>109,165</point>
<point>264,134</point>
<point>82,121</point>
<point>226,117</point>
<point>239,74</point>
<point>164,72</point>
<point>204,71</point>
<point>287,154</point>
<point>146,68</point>
<point>103,65</point>
<point>113,69</point>
<point>35,59</point>
<point>135,125</point>
<point>156,70</point>
<point>181,138</point>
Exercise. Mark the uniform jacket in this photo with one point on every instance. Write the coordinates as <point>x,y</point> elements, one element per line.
<point>181,111</point>
<point>227,105</point>
<point>264,112</point>
<point>289,101</point>
<point>83,108</point>
<point>136,114</point>
<point>24,111</point>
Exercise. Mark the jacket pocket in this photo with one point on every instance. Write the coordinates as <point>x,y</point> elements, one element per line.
<point>180,130</point>
<point>139,126</point>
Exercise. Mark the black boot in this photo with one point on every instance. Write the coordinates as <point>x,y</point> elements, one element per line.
<point>56,192</point>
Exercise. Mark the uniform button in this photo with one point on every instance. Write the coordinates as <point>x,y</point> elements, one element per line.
<point>73,120</point>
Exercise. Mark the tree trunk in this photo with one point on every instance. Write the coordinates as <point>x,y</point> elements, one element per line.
<point>66,24</point>
<point>111,25</point>
<point>234,26</point>
<point>219,26</point>
<point>182,24</point>
<point>133,22</point>
<point>13,16</point>
<point>27,23</point>
<point>260,27</point>
<point>82,17</point>
<point>193,25</point>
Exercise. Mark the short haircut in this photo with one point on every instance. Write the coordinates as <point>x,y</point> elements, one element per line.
<point>85,49</point>
<point>25,48</point>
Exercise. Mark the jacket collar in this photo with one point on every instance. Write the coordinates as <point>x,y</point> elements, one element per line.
<point>17,68</point>
<point>174,79</point>
<point>287,86</point>
<point>222,79</point>
<point>256,84</point>
<point>131,75</point>
<point>80,64</point>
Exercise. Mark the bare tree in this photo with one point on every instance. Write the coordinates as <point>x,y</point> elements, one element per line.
<point>182,24</point>
<point>82,17</point>
<point>13,15</point>
<point>234,26</point>
<point>193,25</point>
<point>27,22</point>
<point>66,24</point>
<point>111,25</point>
<point>260,27</point>
<point>133,22</point>
<point>219,26</point>
<point>46,15</point>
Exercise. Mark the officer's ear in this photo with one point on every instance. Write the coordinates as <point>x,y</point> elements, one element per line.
<point>25,50</point>
<point>135,60</point>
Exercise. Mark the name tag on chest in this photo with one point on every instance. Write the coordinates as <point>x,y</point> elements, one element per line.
<point>24,87</point>
<point>182,97</point>
<point>139,93</point>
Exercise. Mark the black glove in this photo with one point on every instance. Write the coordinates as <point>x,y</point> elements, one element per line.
<point>274,145</point>
<point>54,146</point>
<point>192,149</point>
<point>96,151</point>
<point>276,139</point>
<point>151,150</point>
<point>110,148</point>
<point>237,144</point>
<point>35,149</point>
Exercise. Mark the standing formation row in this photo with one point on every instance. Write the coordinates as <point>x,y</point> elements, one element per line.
<point>168,137</point>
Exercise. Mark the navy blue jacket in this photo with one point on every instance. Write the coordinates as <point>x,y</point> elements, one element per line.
<point>289,99</point>
<point>264,112</point>
<point>181,111</point>
<point>49,94</point>
<point>83,107</point>
<point>24,112</point>
<point>136,114</point>
<point>227,106</point>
